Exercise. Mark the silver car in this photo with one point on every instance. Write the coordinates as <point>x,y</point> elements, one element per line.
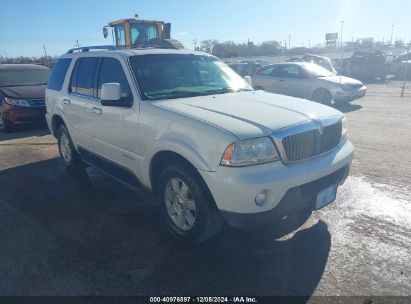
<point>309,81</point>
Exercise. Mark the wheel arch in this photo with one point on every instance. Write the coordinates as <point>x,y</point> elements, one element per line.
<point>56,122</point>
<point>319,90</point>
<point>164,158</point>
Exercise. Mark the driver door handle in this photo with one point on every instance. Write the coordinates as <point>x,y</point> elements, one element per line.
<point>66,101</point>
<point>96,111</point>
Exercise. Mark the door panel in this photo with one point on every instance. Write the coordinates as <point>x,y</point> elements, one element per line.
<point>76,104</point>
<point>265,79</point>
<point>115,129</point>
<point>291,80</point>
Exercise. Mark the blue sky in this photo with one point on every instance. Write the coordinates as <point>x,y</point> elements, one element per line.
<point>27,25</point>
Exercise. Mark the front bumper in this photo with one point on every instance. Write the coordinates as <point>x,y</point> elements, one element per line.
<point>21,116</point>
<point>235,189</point>
<point>295,200</point>
<point>341,95</point>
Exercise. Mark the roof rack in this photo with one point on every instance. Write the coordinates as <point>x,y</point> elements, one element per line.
<point>88,48</point>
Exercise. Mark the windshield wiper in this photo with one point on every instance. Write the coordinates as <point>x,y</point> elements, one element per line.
<point>181,93</point>
<point>225,90</point>
<point>175,93</point>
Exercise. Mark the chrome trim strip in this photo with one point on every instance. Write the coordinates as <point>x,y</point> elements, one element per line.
<point>305,126</point>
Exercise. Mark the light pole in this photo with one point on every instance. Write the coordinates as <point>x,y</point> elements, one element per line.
<point>392,33</point>
<point>342,49</point>
<point>405,71</point>
<point>289,42</point>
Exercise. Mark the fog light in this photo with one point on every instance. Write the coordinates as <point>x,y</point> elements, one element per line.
<point>261,198</point>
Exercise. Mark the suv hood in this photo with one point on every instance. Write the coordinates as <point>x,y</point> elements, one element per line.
<point>249,114</point>
<point>25,92</point>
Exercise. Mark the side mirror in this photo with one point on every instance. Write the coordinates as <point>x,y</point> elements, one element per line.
<point>110,92</point>
<point>111,96</point>
<point>248,80</point>
<point>105,32</point>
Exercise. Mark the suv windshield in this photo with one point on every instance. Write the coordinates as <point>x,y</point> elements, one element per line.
<point>23,77</point>
<point>176,76</point>
<point>315,70</point>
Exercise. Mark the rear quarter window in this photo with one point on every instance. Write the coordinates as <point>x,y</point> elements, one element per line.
<point>58,74</point>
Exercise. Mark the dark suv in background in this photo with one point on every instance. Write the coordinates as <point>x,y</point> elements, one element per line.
<point>22,89</point>
<point>367,65</point>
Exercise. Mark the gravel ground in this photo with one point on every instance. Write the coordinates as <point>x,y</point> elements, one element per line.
<point>85,234</point>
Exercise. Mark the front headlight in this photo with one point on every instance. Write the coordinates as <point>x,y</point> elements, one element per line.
<point>17,102</point>
<point>344,130</point>
<point>250,152</point>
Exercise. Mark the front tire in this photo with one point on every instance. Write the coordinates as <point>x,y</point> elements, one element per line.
<point>68,153</point>
<point>322,96</point>
<point>188,206</point>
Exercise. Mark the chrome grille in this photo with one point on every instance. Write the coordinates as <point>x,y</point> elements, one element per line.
<point>308,139</point>
<point>311,143</point>
<point>37,103</point>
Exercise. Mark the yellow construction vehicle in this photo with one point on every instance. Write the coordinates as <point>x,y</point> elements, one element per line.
<point>137,33</point>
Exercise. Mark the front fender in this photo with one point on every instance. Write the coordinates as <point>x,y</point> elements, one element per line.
<point>179,147</point>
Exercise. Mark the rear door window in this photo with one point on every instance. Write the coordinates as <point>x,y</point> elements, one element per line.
<point>84,75</point>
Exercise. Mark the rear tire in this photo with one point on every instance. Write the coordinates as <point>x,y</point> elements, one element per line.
<point>322,96</point>
<point>188,206</point>
<point>5,126</point>
<point>259,88</point>
<point>68,152</point>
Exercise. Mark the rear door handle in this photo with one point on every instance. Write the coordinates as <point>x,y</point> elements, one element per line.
<point>66,101</point>
<point>282,80</point>
<point>96,111</point>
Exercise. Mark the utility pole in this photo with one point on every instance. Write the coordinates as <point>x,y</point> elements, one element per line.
<point>77,44</point>
<point>195,44</point>
<point>289,42</point>
<point>392,33</point>
<point>405,71</point>
<point>45,53</point>
<point>342,49</point>
<point>249,56</point>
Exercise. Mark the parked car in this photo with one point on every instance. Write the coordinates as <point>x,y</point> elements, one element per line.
<point>323,61</point>
<point>309,81</point>
<point>246,68</point>
<point>400,65</point>
<point>22,89</point>
<point>367,65</point>
<point>189,128</point>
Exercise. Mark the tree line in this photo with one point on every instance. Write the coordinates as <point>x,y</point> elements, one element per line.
<point>231,49</point>
<point>44,60</point>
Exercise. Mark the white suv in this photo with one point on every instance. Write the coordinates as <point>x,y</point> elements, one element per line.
<point>184,125</point>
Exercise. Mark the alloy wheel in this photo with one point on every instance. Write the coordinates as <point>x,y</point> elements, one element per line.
<point>180,204</point>
<point>65,147</point>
